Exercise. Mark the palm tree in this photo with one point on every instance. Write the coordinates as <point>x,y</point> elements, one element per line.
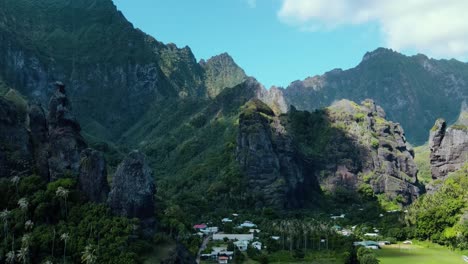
<point>5,215</point>
<point>22,254</point>
<point>23,205</point>
<point>63,194</point>
<point>10,257</point>
<point>64,237</point>
<point>88,255</point>
<point>26,240</point>
<point>15,180</point>
<point>53,242</point>
<point>29,225</point>
<point>48,262</point>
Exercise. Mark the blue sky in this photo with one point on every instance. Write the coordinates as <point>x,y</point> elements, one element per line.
<point>279,41</point>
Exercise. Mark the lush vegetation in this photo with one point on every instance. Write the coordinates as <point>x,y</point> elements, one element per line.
<point>51,222</point>
<point>440,216</point>
<point>421,157</point>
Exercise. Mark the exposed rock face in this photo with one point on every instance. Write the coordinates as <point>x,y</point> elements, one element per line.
<point>388,160</point>
<point>93,176</point>
<point>274,98</point>
<point>15,149</point>
<point>449,146</point>
<point>351,145</point>
<point>39,139</point>
<point>276,175</point>
<point>133,189</point>
<point>66,142</point>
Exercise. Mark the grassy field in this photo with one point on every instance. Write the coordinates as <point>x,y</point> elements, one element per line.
<point>423,253</point>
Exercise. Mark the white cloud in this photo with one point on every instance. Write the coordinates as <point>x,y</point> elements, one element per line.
<point>436,27</point>
<point>252,3</point>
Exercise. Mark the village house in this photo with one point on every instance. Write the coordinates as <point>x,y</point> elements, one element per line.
<point>223,260</point>
<point>210,230</point>
<point>247,224</point>
<point>200,226</point>
<point>242,245</point>
<point>257,245</point>
<point>334,217</point>
<point>232,237</point>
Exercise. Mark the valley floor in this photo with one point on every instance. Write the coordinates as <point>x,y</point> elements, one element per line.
<point>421,253</point>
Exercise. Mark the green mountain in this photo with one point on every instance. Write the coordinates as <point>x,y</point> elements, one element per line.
<point>113,71</point>
<point>210,140</point>
<point>414,91</point>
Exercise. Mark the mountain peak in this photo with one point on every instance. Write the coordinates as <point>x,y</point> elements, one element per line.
<point>378,52</point>
<point>221,72</point>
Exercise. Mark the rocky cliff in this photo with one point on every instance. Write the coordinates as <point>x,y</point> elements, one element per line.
<point>65,140</point>
<point>92,179</point>
<point>449,146</point>
<point>353,146</point>
<point>133,189</point>
<point>51,147</point>
<point>277,175</point>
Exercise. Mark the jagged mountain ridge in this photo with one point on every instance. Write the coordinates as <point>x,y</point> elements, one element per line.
<point>413,90</point>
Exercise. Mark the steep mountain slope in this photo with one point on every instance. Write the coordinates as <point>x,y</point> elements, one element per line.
<point>277,174</point>
<point>353,147</point>
<point>414,90</point>
<point>114,72</point>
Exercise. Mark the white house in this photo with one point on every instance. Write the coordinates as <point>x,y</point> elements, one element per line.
<point>371,234</point>
<point>226,220</point>
<point>257,245</point>
<point>253,230</point>
<point>275,237</point>
<point>217,250</point>
<point>210,230</point>
<point>242,245</point>
<point>248,224</point>
<point>334,217</point>
<point>239,237</point>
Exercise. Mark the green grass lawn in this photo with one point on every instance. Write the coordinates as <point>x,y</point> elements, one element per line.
<point>421,253</point>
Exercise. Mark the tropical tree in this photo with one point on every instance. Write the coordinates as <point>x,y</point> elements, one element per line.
<point>64,237</point>
<point>62,193</point>
<point>29,225</point>
<point>26,240</point>
<point>23,205</point>
<point>54,233</point>
<point>15,180</point>
<point>89,255</point>
<point>22,254</point>
<point>10,257</point>
<point>5,215</point>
